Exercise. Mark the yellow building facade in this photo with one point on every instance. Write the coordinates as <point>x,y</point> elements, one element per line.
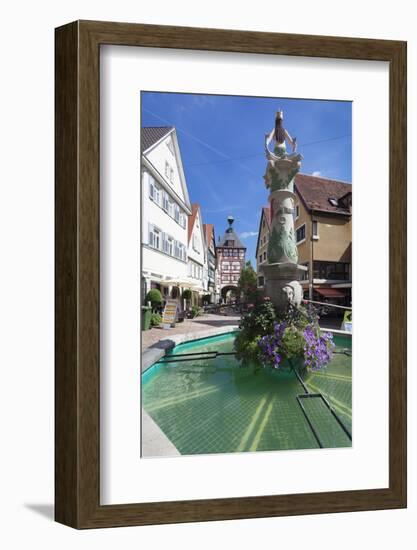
<point>323,229</point>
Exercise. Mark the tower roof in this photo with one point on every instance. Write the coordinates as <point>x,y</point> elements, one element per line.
<point>230,237</point>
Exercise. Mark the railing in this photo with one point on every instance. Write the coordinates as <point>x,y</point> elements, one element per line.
<point>216,308</point>
<point>327,304</point>
<point>307,394</point>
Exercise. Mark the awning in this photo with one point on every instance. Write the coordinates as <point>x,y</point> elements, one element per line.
<point>180,282</point>
<point>330,292</point>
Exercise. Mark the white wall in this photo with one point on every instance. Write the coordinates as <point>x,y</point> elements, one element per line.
<point>26,335</point>
<point>161,154</point>
<point>197,253</point>
<point>156,261</point>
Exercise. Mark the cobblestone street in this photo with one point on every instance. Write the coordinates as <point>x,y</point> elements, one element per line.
<point>201,323</point>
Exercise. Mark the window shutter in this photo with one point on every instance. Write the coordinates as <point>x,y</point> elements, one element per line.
<point>151,188</point>
<point>150,233</point>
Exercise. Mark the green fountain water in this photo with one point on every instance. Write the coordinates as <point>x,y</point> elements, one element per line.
<point>209,406</point>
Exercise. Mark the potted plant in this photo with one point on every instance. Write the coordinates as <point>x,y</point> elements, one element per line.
<point>155,297</point>
<point>287,342</point>
<point>186,295</point>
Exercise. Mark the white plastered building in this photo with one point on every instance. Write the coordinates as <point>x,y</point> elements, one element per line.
<point>197,255</point>
<point>165,211</point>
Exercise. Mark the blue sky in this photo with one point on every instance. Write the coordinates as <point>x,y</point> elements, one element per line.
<point>222,147</point>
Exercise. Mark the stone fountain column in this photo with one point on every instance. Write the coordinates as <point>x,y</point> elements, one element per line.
<point>282,272</point>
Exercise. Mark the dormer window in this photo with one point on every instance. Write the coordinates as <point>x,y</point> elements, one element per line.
<point>334,202</point>
<point>346,201</point>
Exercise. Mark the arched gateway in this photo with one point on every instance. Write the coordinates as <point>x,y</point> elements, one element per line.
<point>229,294</point>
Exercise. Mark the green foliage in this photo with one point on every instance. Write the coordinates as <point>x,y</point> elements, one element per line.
<point>155,297</point>
<point>247,349</point>
<point>268,340</point>
<point>156,320</point>
<point>247,284</point>
<point>297,336</point>
<point>186,294</point>
<point>260,320</point>
<point>255,324</point>
<point>195,311</point>
<point>301,316</point>
<point>292,342</point>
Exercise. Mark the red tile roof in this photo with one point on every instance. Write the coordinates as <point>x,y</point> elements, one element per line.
<point>315,193</point>
<point>208,229</point>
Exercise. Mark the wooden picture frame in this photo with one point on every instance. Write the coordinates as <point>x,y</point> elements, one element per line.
<point>77,406</point>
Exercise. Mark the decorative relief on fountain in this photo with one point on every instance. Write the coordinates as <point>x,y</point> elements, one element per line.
<point>282,269</point>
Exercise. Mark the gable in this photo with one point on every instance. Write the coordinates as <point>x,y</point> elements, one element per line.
<point>196,244</point>
<point>166,159</point>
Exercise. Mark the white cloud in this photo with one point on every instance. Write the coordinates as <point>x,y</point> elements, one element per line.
<point>316,173</point>
<point>247,234</point>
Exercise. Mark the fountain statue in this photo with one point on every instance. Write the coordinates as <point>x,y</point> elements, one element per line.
<point>282,271</point>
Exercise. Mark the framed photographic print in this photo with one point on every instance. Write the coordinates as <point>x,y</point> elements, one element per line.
<point>224,201</point>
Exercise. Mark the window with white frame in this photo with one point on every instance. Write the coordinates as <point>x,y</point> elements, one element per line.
<point>165,201</point>
<point>169,172</point>
<point>196,242</point>
<point>301,233</point>
<point>297,211</point>
<point>155,237</point>
<point>177,252</point>
<point>171,206</point>
<point>169,245</point>
<point>177,213</point>
<point>315,229</point>
<point>162,199</point>
<point>183,252</point>
<point>154,190</point>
